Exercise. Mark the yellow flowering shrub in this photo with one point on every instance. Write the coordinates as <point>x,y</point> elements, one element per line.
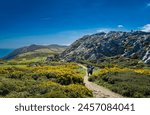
<point>57,90</point>
<point>49,81</point>
<point>118,70</point>
<point>64,74</point>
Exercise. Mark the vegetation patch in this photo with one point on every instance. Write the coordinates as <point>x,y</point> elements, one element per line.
<point>51,80</point>
<point>125,81</point>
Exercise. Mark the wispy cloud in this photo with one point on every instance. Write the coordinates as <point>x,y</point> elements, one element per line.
<point>120,26</point>
<point>148,5</point>
<point>106,30</point>
<point>146,28</point>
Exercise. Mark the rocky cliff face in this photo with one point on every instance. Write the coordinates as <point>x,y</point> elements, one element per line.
<point>127,44</point>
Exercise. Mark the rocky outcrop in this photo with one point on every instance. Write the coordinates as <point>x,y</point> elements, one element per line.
<point>126,44</point>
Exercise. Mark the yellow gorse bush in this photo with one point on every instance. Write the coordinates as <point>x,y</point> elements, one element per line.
<point>68,69</point>
<point>61,70</point>
<point>118,70</point>
<point>54,80</point>
<point>142,71</point>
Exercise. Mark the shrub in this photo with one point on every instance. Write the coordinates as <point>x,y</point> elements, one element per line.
<point>50,75</point>
<point>15,75</point>
<point>132,83</point>
<point>35,76</point>
<point>15,94</point>
<point>55,94</point>
<point>111,80</point>
<point>59,80</point>
<point>138,95</point>
<point>65,80</point>
<point>4,91</point>
<point>92,78</point>
<point>75,91</point>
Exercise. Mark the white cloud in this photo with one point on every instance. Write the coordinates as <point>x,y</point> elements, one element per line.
<point>146,28</point>
<point>148,5</point>
<point>106,30</point>
<point>120,26</point>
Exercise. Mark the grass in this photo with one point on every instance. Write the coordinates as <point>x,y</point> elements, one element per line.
<point>33,77</point>
<point>128,78</point>
<point>117,61</point>
<point>127,84</point>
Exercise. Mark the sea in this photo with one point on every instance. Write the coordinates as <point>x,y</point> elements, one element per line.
<point>5,52</point>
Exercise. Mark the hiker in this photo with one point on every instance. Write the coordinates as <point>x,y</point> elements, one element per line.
<point>90,69</point>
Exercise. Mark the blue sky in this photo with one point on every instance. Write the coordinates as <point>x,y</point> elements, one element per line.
<point>25,22</point>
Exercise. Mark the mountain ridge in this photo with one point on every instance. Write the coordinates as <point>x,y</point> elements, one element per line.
<point>34,48</point>
<point>135,44</point>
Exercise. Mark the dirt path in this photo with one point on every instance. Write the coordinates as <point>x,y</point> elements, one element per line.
<point>99,91</point>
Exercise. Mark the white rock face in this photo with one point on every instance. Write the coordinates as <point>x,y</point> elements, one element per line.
<point>146,57</point>
<point>127,44</point>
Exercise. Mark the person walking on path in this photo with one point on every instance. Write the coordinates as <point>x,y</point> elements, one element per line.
<point>90,69</point>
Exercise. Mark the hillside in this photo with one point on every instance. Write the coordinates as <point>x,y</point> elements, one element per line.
<point>135,45</point>
<point>35,51</point>
<point>35,71</point>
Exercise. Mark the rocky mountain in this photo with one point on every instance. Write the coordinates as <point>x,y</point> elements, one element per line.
<point>36,50</point>
<point>115,43</point>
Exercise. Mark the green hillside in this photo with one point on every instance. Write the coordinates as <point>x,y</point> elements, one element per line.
<point>34,51</point>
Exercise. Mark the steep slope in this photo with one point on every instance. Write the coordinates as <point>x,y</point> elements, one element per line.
<point>126,44</point>
<point>35,50</point>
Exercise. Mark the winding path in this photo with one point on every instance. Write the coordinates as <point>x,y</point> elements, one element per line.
<point>99,91</point>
